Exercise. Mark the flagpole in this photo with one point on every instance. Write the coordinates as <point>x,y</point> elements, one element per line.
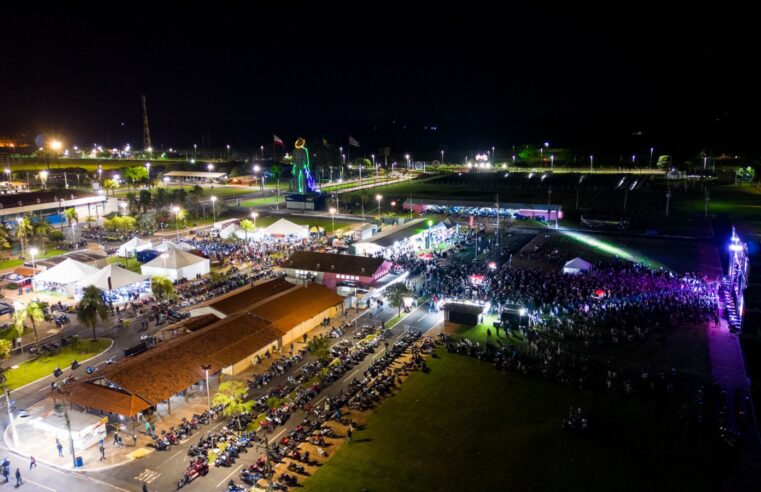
<point>348,151</point>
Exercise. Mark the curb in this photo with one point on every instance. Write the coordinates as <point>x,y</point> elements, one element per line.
<point>50,375</point>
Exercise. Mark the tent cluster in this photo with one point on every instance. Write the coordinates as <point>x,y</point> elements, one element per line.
<point>71,276</point>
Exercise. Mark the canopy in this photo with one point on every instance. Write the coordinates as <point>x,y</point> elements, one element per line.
<point>167,245</point>
<point>176,264</point>
<point>228,231</point>
<point>133,245</point>
<point>285,227</point>
<point>111,277</point>
<point>577,265</point>
<point>65,273</point>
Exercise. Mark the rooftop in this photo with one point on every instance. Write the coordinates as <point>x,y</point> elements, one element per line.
<point>194,174</point>
<point>296,306</point>
<point>248,297</point>
<point>334,263</point>
<point>46,196</point>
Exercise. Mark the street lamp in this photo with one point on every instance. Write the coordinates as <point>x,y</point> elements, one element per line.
<point>552,161</point>
<point>442,157</point>
<point>333,220</point>
<point>55,145</point>
<point>33,251</point>
<point>206,371</point>
<point>651,156</point>
<point>213,211</point>
<point>123,206</point>
<point>44,179</point>
<point>493,155</point>
<point>228,152</point>
<point>591,162</point>
<point>195,151</point>
<point>8,172</point>
<point>379,198</point>
<point>176,212</point>
<point>407,156</point>
<point>254,215</point>
<point>19,220</point>
<point>210,167</point>
<point>261,151</point>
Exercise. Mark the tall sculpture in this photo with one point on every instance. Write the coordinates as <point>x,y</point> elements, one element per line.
<point>302,176</point>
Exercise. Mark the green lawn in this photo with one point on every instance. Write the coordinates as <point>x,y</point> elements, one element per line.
<point>130,263</point>
<point>468,427</point>
<point>478,333</point>
<point>258,202</point>
<point>44,366</point>
<point>18,262</point>
<point>37,164</point>
<point>218,191</point>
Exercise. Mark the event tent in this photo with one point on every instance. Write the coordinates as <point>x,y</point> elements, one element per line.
<point>165,245</point>
<point>228,231</point>
<point>66,274</point>
<point>135,244</point>
<point>285,227</point>
<point>577,265</point>
<point>111,277</point>
<point>177,264</point>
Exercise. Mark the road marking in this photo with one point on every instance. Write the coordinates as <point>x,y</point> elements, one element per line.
<point>278,435</point>
<point>94,480</point>
<point>148,476</point>
<point>378,355</point>
<point>320,400</point>
<point>351,375</point>
<point>39,485</point>
<point>171,457</point>
<point>224,480</point>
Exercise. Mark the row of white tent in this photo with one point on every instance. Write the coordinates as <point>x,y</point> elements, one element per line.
<point>136,244</point>
<point>279,228</point>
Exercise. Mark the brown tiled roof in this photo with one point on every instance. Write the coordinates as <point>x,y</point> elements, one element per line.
<point>104,398</point>
<point>196,323</point>
<point>243,299</point>
<point>297,306</point>
<point>361,266</point>
<point>172,366</point>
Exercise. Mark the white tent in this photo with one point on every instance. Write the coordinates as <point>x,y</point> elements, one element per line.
<point>129,248</point>
<point>111,277</point>
<point>577,265</point>
<point>66,273</point>
<point>285,227</point>
<point>165,245</point>
<point>176,265</point>
<point>227,231</point>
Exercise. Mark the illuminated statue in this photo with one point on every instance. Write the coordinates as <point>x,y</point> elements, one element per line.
<point>302,177</point>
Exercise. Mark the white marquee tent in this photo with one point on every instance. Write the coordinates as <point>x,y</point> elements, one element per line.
<point>165,245</point>
<point>64,274</point>
<point>111,277</point>
<point>228,231</point>
<point>129,248</point>
<point>176,265</point>
<point>577,265</point>
<point>285,227</point>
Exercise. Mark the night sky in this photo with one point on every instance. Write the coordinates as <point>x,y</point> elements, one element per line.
<point>578,77</point>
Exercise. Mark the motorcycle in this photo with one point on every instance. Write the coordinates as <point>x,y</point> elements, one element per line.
<point>197,468</point>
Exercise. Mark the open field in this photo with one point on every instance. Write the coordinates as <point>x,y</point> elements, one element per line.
<point>218,191</point>
<point>45,365</point>
<point>88,164</point>
<point>18,262</point>
<point>466,426</point>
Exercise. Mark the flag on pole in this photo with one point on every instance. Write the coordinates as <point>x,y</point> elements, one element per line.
<point>277,140</point>
<point>353,142</point>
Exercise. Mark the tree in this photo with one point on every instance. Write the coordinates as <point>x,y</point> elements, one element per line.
<point>146,200</point>
<point>162,199</point>
<point>181,216</point>
<point>111,185</point>
<point>363,196</point>
<point>5,349</point>
<point>136,174</point>
<point>132,202</point>
<point>71,217</point>
<point>41,229</point>
<point>396,294</point>
<point>91,307</point>
<point>162,287</point>
<point>24,230</point>
<point>232,396</point>
<point>34,311</point>
<point>4,239</point>
<point>247,226</point>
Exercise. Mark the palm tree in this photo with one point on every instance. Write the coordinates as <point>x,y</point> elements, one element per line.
<point>162,287</point>
<point>132,202</point>
<point>91,306</point>
<point>247,226</point>
<point>71,217</point>
<point>4,240</point>
<point>363,196</point>
<point>24,231</point>
<point>34,311</point>
<point>41,229</point>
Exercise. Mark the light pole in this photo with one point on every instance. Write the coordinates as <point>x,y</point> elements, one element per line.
<point>44,179</point>
<point>442,157</point>
<point>634,158</point>
<point>591,162</point>
<point>122,207</point>
<point>228,152</point>
<point>100,173</point>
<point>208,390</point>
<point>254,215</point>
<point>407,156</point>
<point>210,167</point>
<point>651,156</point>
<point>176,212</point>
<point>379,198</point>
<point>256,171</point>
<point>213,211</point>
<point>261,152</point>
<point>376,167</point>
<point>195,151</point>
<point>19,220</point>
<point>552,162</point>
<point>8,173</point>
<point>668,200</point>
<point>33,251</point>
<point>493,155</point>
<point>333,220</point>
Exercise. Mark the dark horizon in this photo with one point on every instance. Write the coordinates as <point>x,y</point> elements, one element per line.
<point>617,81</point>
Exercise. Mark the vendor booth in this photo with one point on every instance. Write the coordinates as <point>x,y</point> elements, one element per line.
<point>63,276</point>
<point>177,264</point>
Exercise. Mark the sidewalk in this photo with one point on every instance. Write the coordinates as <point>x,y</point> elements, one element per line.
<point>41,445</point>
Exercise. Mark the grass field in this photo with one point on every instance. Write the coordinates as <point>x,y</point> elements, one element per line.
<point>44,366</point>
<point>88,164</point>
<point>18,262</point>
<point>258,202</point>
<point>218,191</point>
<point>468,427</point>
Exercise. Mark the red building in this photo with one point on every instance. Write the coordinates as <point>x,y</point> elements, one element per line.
<point>332,270</point>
